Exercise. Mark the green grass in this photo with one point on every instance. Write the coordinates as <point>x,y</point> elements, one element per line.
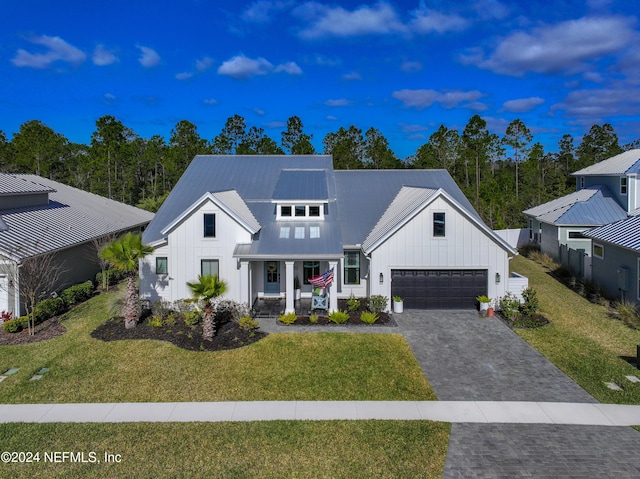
<point>350,449</point>
<point>312,366</point>
<point>583,339</point>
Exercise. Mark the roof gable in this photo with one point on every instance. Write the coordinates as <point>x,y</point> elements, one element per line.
<point>228,201</point>
<point>627,162</point>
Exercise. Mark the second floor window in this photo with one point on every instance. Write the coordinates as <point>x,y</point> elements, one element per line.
<point>623,185</point>
<point>438,225</point>
<point>209,226</point>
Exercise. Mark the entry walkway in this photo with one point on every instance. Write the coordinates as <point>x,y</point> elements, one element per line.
<point>498,412</point>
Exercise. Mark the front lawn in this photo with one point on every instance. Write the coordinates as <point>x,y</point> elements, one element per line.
<point>277,449</point>
<point>311,366</point>
<point>582,339</point>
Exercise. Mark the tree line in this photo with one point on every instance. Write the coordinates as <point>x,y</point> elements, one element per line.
<point>500,175</point>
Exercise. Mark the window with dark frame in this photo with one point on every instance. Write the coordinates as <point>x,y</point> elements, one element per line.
<point>310,269</point>
<point>162,265</point>
<point>598,251</point>
<point>438,225</point>
<point>351,267</point>
<point>209,225</point>
<point>209,267</point>
<point>300,210</point>
<point>576,235</point>
<point>623,185</point>
<point>314,210</point>
<point>285,211</point>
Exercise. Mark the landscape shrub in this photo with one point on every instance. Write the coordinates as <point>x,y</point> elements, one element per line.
<point>77,293</point>
<point>229,310</point>
<point>161,309</point>
<point>530,305</point>
<point>155,321</point>
<point>6,316</point>
<point>48,308</point>
<point>377,303</point>
<point>114,276</point>
<point>288,318</point>
<point>628,313</point>
<point>339,317</point>
<point>192,318</point>
<point>510,306</point>
<point>353,304</point>
<point>313,318</point>
<point>12,326</point>
<point>23,322</point>
<point>247,323</point>
<point>368,317</point>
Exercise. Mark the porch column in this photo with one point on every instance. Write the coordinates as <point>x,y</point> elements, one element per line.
<point>290,294</point>
<point>244,283</point>
<point>333,289</point>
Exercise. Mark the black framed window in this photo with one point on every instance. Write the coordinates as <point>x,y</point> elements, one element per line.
<point>310,269</point>
<point>209,267</point>
<point>301,210</point>
<point>623,185</point>
<point>285,210</point>
<point>209,225</point>
<point>162,265</point>
<point>351,267</point>
<point>438,224</point>
<point>314,210</point>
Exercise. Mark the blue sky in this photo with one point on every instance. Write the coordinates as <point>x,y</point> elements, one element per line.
<point>402,67</point>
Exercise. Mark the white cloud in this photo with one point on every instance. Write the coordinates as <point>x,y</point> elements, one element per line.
<point>210,101</point>
<point>148,57</point>
<point>242,68</point>
<point>491,9</point>
<point>352,76</point>
<point>184,76</point>
<point>411,67</point>
<point>263,10</point>
<point>324,21</point>
<point>102,56</point>
<point>57,50</point>
<point>409,128</point>
<point>204,64</point>
<point>565,46</point>
<point>338,102</point>
<point>290,67</point>
<point>428,21</point>
<point>448,99</point>
<point>596,104</point>
<point>259,111</point>
<point>332,118</point>
<point>520,105</point>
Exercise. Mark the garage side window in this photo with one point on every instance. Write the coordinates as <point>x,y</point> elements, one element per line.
<point>161,265</point>
<point>438,225</point>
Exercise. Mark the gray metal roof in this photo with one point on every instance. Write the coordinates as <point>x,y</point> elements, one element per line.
<point>301,185</point>
<point>72,216</point>
<point>624,163</point>
<point>624,233</point>
<point>364,196</point>
<point>594,205</point>
<point>19,185</point>
<point>405,203</point>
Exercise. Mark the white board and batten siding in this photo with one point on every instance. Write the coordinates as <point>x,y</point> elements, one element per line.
<point>464,247</point>
<point>185,250</point>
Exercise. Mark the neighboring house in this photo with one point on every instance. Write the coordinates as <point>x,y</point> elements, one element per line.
<point>605,193</point>
<point>616,258</point>
<point>40,216</point>
<point>260,221</point>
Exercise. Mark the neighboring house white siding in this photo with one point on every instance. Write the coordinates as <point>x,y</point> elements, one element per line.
<point>186,249</point>
<point>464,246</point>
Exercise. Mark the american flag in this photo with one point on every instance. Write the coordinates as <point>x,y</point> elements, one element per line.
<point>322,281</point>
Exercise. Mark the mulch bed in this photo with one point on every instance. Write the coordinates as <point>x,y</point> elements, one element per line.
<point>354,318</point>
<point>51,328</point>
<point>228,336</point>
<point>528,322</point>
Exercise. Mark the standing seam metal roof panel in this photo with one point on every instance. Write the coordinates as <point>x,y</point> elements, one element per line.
<point>301,185</point>
<point>624,163</point>
<point>625,233</point>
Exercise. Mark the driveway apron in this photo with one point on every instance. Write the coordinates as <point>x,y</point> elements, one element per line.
<point>465,357</point>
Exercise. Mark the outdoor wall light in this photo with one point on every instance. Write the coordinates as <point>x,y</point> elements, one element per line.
<point>497,278</point>
<point>381,278</point>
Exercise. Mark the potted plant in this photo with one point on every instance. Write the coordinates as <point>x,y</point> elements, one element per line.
<point>398,304</point>
<point>485,303</point>
<point>296,286</point>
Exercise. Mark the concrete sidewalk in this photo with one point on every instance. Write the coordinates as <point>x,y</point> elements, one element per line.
<point>494,412</point>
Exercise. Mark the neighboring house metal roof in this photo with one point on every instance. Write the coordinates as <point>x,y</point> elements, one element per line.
<point>301,185</point>
<point>625,233</point>
<point>627,162</point>
<point>11,185</point>
<point>72,216</point>
<point>591,206</point>
<point>364,196</point>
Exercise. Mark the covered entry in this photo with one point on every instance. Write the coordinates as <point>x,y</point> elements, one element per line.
<point>439,289</point>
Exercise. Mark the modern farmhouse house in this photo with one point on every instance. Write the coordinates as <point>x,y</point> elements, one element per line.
<point>265,223</point>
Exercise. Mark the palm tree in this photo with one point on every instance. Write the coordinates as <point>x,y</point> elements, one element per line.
<point>124,255</point>
<point>207,288</point>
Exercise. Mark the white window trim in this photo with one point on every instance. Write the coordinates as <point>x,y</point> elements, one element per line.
<point>433,221</point>
<point>594,250</point>
<point>293,216</point>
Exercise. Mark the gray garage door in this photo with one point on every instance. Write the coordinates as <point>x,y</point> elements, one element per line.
<point>438,289</point>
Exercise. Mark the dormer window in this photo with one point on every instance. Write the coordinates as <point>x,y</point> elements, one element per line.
<point>299,211</point>
<point>623,185</point>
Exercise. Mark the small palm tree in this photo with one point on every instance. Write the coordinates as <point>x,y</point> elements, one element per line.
<point>124,255</point>
<point>207,288</point>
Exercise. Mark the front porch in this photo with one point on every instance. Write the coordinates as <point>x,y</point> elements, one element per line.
<point>274,307</point>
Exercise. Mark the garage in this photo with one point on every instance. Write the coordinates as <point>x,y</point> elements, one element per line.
<point>439,289</point>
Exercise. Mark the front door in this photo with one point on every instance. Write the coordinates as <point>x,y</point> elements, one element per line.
<point>272,277</point>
